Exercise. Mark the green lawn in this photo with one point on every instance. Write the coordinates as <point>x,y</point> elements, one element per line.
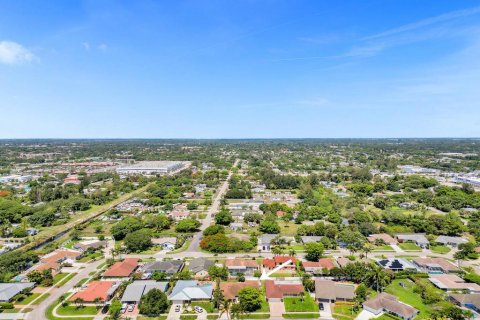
<point>301,315</point>
<point>207,305</point>
<point>388,316</point>
<point>74,311</point>
<point>188,316</point>
<point>81,282</point>
<point>385,247</point>
<point>32,297</point>
<point>409,246</point>
<point>440,249</point>
<point>406,295</point>
<point>58,277</point>
<point>91,256</point>
<point>50,316</point>
<point>66,279</point>
<point>255,316</point>
<point>152,318</point>
<point>345,311</point>
<point>305,304</point>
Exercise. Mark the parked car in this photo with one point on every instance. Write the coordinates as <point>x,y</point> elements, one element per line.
<point>124,308</point>
<point>320,305</point>
<point>130,307</point>
<point>177,308</point>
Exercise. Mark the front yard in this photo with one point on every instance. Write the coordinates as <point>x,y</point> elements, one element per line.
<point>409,246</point>
<point>77,311</point>
<point>300,304</point>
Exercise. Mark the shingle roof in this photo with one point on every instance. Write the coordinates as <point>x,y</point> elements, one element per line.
<point>452,282</point>
<point>447,240</point>
<point>241,263</point>
<point>328,289</point>
<point>169,267</point>
<point>390,303</point>
<point>200,264</point>
<point>436,263</point>
<point>321,264</point>
<point>186,290</point>
<point>122,269</point>
<point>9,290</point>
<point>382,236</point>
<point>137,289</point>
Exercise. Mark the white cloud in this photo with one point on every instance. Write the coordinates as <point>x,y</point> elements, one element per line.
<point>86,46</point>
<point>103,47</point>
<point>14,53</point>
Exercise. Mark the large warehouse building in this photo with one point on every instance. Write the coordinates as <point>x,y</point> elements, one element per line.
<point>153,167</point>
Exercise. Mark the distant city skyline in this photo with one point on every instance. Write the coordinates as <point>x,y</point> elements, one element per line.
<point>239,69</point>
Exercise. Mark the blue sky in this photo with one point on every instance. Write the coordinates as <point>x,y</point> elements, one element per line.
<point>239,69</point>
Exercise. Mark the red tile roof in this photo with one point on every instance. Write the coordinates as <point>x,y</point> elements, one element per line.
<point>322,263</point>
<point>283,259</point>
<point>122,269</point>
<point>95,289</point>
<point>268,263</point>
<point>278,289</point>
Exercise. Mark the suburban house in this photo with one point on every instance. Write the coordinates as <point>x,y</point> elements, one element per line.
<point>230,289</point>
<point>169,267</point>
<point>54,260</point>
<point>453,242</point>
<point>331,291</point>
<point>470,301</point>
<point>188,290</point>
<point>317,267</point>
<point>385,302</point>
<point>382,238</point>
<point>435,265</point>
<point>395,264</point>
<point>167,243</point>
<point>87,244</point>
<point>265,242</point>
<point>179,215</point>
<point>96,290</point>
<point>279,260</point>
<point>342,261</point>
<point>134,291</point>
<point>276,290</point>
<point>244,266</point>
<point>122,269</point>
<point>452,282</point>
<point>418,238</point>
<point>308,239</point>
<point>199,267</point>
<point>11,289</point>
<point>236,226</point>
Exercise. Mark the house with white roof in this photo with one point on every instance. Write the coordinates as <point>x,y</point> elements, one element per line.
<point>189,290</point>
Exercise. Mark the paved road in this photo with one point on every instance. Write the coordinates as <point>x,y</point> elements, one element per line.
<point>56,293</point>
<point>195,243</point>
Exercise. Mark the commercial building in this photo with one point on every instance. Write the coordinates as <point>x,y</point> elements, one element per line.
<point>152,167</point>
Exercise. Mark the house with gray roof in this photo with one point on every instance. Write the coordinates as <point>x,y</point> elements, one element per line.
<point>451,241</point>
<point>418,238</point>
<point>265,241</point>
<point>190,290</point>
<point>10,290</point>
<point>169,267</point>
<point>134,291</point>
<point>308,239</point>
<point>199,267</point>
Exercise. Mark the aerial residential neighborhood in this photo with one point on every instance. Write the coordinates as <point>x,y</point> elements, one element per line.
<point>239,160</point>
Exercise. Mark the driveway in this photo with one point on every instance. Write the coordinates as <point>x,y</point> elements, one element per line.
<point>326,313</point>
<point>172,315</point>
<point>365,315</point>
<point>396,248</point>
<point>277,309</point>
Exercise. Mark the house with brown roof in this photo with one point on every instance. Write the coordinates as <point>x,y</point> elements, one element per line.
<point>230,289</point>
<point>470,301</point>
<point>435,265</point>
<point>452,282</point>
<point>87,244</point>
<point>243,266</point>
<point>318,267</point>
<point>382,238</point>
<point>342,262</point>
<point>385,302</point>
<point>102,290</point>
<point>331,291</point>
<point>54,260</point>
<point>122,269</point>
<point>276,290</point>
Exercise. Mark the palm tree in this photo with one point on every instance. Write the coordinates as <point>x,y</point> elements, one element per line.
<point>224,308</point>
<point>237,311</point>
<point>292,252</point>
<point>376,277</point>
<point>277,250</point>
<point>367,248</point>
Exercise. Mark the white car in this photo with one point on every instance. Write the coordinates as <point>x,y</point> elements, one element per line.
<point>130,307</point>
<point>124,308</point>
<point>177,308</point>
<point>198,309</point>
